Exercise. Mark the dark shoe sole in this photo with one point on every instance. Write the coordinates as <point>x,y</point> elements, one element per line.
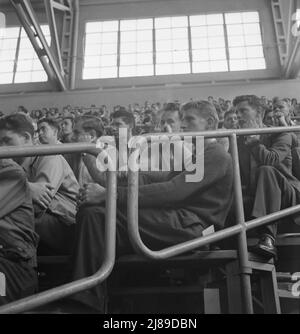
<point>264,251</point>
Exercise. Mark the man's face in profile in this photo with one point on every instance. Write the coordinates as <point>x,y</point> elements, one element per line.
<point>248,116</point>
<point>231,121</point>
<point>193,122</point>
<point>10,138</point>
<point>171,120</point>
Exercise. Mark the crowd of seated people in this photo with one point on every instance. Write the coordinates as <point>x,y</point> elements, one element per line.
<point>60,200</point>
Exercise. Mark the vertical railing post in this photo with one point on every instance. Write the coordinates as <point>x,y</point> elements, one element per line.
<point>245,270</point>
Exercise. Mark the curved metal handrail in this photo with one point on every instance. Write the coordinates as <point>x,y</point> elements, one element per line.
<point>66,290</point>
<point>241,227</point>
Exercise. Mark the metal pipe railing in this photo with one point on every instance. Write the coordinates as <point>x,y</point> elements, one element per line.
<point>87,283</point>
<point>241,227</point>
<point>66,290</point>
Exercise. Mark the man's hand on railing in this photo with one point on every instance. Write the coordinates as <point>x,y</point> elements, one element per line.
<point>91,194</point>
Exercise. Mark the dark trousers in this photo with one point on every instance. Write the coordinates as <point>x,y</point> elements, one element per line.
<point>158,228</point>
<point>273,193</point>
<point>56,238</point>
<point>20,280</point>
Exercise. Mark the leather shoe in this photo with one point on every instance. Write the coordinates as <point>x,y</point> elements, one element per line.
<point>265,247</point>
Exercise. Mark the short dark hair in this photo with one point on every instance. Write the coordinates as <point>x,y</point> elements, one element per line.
<point>253,100</point>
<point>229,112</point>
<point>205,109</point>
<point>50,121</point>
<point>126,116</point>
<point>173,107</point>
<point>91,123</point>
<point>18,123</point>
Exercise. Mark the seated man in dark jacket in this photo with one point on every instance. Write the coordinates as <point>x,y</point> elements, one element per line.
<point>171,210</point>
<point>266,170</point>
<point>18,241</point>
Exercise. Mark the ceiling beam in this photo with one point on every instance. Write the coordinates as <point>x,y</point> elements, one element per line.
<point>34,32</point>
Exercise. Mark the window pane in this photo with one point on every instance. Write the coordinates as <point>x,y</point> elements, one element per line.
<point>201,67</point>
<point>145,70</point>
<point>164,69</point>
<point>144,35</point>
<point>128,36</point>
<point>236,40</point>
<point>233,18</point>
<point>249,17</point>
<point>93,39</point>
<point>234,29</point>
<point>255,52</point>
<point>180,21</point>
<point>108,61</point>
<point>93,27</point>
<point>93,61</point>
<point>200,43</point>
<point>253,40</point>
<point>25,65</point>
<point>127,71</point>
<point>163,22</point>
<point>144,58</point>
<point>216,42</point>
<point>91,73</point>
<point>108,72</point>
<point>145,47</point>
<point>197,20</point>
<point>108,49</point>
<point>6,66</point>
<point>215,31</point>
<point>219,66</point>
<point>164,57</point>
<point>110,26</point>
<point>144,24</point>
<point>128,47</point>
<point>214,19</point>
<point>162,34</point>
<point>209,53</point>
<point>256,64</point>
<point>180,44</point>
<point>180,56</point>
<point>237,53</point>
<point>110,38</point>
<point>39,76</point>
<point>199,32</point>
<point>181,68</point>
<point>128,59</point>
<point>217,54</point>
<point>8,44</point>
<point>22,77</point>
<point>127,25</point>
<point>7,54</point>
<point>179,33</point>
<point>251,29</point>
<point>238,65</point>
<point>6,78</point>
<point>92,49</point>
<point>200,55</point>
<point>164,45</point>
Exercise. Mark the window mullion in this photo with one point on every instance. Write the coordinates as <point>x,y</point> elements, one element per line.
<point>17,55</point>
<point>119,49</point>
<point>190,45</point>
<point>154,46</point>
<point>226,42</point>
